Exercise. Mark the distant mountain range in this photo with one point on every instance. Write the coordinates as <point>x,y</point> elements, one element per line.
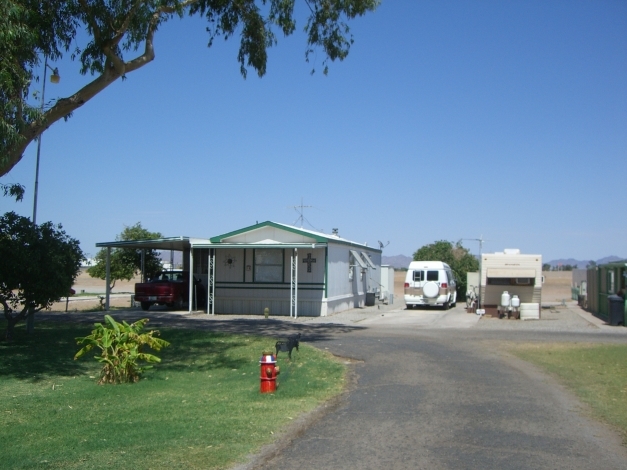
<point>402,261</point>
<point>581,264</point>
<point>397,262</point>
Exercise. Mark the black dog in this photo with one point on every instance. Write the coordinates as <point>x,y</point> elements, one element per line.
<point>287,346</point>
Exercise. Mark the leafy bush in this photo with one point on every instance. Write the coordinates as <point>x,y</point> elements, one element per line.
<point>121,347</point>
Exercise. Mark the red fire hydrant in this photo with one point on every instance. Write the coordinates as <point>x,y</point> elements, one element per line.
<point>269,372</point>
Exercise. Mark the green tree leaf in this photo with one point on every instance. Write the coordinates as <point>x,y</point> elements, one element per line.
<point>38,265</point>
<point>112,39</point>
<point>125,263</point>
<point>455,255</point>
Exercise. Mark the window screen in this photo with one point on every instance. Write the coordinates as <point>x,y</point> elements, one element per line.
<point>419,276</point>
<point>268,265</point>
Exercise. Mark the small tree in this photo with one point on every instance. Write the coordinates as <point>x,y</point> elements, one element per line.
<point>455,255</point>
<point>121,349</point>
<point>38,265</point>
<point>546,267</point>
<point>125,263</point>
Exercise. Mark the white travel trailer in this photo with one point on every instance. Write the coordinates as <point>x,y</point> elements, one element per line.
<point>510,273</point>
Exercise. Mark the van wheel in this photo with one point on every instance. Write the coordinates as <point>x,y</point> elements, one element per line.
<point>409,306</point>
<point>445,305</point>
<point>145,305</point>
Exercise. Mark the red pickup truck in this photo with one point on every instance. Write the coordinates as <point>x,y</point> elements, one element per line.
<point>169,288</point>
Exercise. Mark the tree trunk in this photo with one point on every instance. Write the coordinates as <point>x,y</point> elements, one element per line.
<point>30,323</point>
<point>11,322</point>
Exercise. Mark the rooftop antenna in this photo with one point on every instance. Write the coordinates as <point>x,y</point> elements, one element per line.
<point>381,245</point>
<point>301,210</point>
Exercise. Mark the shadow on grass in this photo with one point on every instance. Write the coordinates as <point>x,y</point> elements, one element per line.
<point>50,351</point>
<point>187,346</point>
<point>278,327</point>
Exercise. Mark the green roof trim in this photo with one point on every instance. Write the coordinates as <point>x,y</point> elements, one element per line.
<point>613,264</point>
<point>318,237</point>
<point>219,238</point>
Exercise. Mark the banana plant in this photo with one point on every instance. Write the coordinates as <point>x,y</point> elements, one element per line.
<point>121,348</point>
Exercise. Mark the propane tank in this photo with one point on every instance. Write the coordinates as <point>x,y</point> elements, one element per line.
<point>505,299</point>
<point>515,301</point>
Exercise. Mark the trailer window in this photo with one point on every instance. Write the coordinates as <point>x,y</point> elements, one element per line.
<point>268,265</point>
<point>419,276</point>
<point>499,281</point>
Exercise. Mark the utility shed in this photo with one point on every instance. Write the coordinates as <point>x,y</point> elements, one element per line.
<point>509,270</point>
<point>387,284</point>
<point>605,280</point>
<point>289,270</point>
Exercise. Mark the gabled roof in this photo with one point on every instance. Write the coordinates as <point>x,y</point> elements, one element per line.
<point>263,235</point>
<point>257,235</point>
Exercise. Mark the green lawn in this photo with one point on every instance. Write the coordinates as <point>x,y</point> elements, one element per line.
<point>199,408</point>
<point>596,373</point>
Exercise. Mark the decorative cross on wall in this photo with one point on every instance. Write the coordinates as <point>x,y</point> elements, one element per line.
<point>309,260</point>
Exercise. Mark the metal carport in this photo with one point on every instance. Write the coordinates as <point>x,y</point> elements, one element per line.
<point>182,244</point>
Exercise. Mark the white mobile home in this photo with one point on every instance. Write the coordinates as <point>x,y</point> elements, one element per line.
<point>518,274</point>
<point>290,270</point>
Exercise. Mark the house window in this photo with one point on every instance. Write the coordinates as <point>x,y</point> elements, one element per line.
<point>268,265</point>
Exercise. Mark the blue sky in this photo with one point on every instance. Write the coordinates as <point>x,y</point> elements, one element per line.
<point>448,120</point>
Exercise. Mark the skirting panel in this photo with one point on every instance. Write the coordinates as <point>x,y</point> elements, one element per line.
<point>278,307</point>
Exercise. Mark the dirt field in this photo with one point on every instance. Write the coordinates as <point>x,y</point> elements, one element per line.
<point>121,294</point>
<point>97,286</point>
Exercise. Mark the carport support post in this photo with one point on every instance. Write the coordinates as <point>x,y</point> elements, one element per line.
<point>108,279</point>
<point>143,265</point>
<point>191,279</point>
<point>211,291</point>
<point>294,284</point>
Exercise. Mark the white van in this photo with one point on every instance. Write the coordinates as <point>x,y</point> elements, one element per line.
<point>430,283</point>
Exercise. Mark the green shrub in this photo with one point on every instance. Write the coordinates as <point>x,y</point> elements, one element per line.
<point>121,347</point>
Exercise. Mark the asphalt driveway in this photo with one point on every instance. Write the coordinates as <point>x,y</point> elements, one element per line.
<point>443,399</point>
<point>432,389</point>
